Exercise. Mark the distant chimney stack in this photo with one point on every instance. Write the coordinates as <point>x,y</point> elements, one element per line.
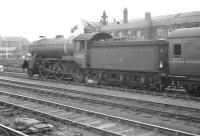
<point>147,16</point>
<point>125,15</point>
<point>59,36</point>
<point>104,18</point>
<point>148,29</point>
<point>41,36</point>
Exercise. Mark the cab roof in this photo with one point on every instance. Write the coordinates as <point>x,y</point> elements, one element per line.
<point>93,36</point>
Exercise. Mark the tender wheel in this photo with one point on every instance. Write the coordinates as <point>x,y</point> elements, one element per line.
<point>92,78</point>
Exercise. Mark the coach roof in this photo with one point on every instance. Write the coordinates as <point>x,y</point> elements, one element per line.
<point>185,32</point>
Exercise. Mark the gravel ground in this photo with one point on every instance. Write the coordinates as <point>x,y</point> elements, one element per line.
<point>59,129</point>
<point>124,113</point>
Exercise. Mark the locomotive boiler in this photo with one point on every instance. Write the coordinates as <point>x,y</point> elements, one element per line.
<point>52,48</point>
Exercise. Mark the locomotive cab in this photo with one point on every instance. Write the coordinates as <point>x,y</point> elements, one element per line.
<point>83,43</point>
<point>80,52</point>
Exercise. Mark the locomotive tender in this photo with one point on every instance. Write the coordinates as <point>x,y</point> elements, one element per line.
<point>96,57</point>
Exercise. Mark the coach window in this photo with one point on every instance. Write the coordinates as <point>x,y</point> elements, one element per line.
<point>177,51</point>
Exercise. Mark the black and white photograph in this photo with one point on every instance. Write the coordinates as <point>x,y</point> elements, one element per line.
<point>99,68</point>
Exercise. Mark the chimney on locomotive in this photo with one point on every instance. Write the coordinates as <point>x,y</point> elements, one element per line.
<point>59,36</point>
<point>125,15</point>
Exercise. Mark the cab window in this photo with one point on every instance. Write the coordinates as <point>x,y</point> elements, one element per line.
<point>177,51</point>
<point>77,46</point>
<point>80,45</point>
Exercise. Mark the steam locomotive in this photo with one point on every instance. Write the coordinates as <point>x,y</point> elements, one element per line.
<point>97,58</point>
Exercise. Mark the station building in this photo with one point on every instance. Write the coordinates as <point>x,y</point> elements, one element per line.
<point>13,47</point>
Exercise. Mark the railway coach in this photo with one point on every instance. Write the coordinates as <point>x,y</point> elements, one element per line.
<point>184,58</point>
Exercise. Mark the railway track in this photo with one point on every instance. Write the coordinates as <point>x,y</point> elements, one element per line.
<point>97,122</point>
<point>169,92</point>
<point>178,112</point>
<point>16,121</point>
<point>151,110</point>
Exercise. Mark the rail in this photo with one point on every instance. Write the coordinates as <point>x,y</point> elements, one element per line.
<point>128,122</point>
<point>7,131</point>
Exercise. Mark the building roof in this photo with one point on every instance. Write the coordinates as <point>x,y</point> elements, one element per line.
<point>185,33</point>
<point>179,18</point>
<point>123,26</point>
<point>14,38</point>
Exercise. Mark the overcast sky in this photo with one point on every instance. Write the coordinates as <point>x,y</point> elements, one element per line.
<point>31,18</point>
